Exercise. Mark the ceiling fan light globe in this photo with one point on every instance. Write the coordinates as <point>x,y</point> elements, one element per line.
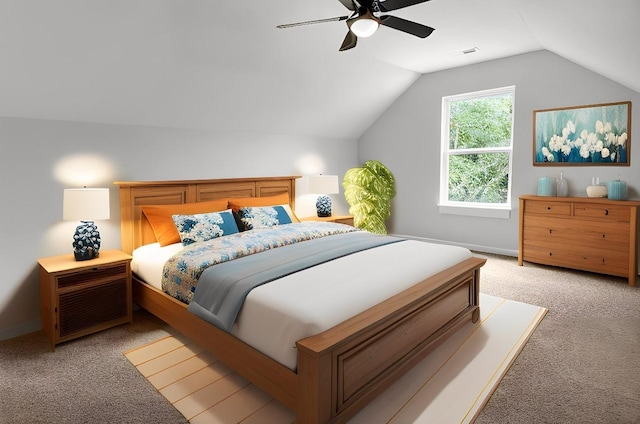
<point>364,27</point>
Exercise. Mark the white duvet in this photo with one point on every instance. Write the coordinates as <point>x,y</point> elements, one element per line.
<point>276,315</point>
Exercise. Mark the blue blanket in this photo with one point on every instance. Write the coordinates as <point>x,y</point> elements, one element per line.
<point>222,288</point>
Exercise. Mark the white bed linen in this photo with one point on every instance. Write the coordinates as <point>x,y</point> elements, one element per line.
<point>276,315</point>
<point>148,261</point>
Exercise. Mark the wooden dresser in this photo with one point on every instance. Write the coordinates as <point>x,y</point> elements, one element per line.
<point>589,234</point>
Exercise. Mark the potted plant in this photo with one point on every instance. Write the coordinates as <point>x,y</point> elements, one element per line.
<point>368,191</point>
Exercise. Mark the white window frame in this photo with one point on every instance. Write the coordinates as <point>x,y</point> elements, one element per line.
<point>488,210</point>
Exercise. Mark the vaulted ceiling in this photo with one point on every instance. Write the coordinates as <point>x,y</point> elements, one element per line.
<point>224,66</point>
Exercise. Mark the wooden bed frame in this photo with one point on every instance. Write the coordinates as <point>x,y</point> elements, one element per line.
<point>340,370</point>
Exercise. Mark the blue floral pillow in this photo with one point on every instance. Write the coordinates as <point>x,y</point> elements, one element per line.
<point>204,226</point>
<point>250,218</point>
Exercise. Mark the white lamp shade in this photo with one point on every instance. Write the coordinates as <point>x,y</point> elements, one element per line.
<point>324,184</point>
<point>364,27</point>
<point>85,204</point>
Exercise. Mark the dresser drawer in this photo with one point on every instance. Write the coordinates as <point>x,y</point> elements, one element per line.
<point>602,213</point>
<point>611,263</point>
<point>548,208</point>
<point>574,233</point>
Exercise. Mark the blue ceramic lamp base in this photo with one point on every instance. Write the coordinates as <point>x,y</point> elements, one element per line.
<point>323,206</point>
<point>86,241</point>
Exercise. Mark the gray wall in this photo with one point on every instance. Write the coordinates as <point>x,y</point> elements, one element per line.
<point>40,158</point>
<point>407,139</point>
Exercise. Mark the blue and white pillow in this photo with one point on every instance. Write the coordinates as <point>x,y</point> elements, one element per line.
<point>204,226</point>
<point>251,218</point>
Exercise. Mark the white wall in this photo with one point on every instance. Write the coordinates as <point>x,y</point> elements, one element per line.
<point>407,139</point>
<point>40,158</point>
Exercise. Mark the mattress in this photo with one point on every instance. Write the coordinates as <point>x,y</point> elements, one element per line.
<point>276,315</point>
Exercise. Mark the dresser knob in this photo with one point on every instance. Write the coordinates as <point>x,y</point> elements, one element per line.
<point>548,208</point>
<point>606,212</point>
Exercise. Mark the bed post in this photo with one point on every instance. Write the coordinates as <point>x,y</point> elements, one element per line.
<point>314,388</point>
<point>126,221</point>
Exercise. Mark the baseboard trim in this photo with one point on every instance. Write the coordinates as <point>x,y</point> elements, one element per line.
<point>473,247</point>
<point>20,330</point>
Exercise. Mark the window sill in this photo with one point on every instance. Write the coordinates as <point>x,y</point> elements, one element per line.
<point>503,212</point>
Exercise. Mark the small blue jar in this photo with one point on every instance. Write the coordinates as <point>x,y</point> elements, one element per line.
<point>547,186</point>
<point>617,190</point>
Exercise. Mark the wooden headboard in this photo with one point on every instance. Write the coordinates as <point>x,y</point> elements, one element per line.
<point>135,229</point>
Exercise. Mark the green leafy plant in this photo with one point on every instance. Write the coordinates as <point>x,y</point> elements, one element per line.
<point>369,191</point>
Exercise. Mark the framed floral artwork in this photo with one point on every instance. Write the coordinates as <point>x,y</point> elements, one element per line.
<point>583,135</point>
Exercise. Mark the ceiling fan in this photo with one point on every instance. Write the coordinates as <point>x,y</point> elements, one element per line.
<point>367,17</point>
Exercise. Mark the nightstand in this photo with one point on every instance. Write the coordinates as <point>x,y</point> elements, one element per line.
<point>82,297</point>
<point>340,219</point>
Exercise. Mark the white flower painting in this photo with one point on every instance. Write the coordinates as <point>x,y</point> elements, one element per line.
<point>584,135</point>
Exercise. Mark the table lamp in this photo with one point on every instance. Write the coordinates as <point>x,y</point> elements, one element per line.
<point>324,185</point>
<point>86,205</point>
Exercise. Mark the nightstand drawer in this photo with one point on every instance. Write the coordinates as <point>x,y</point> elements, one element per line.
<point>91,274</point>
<point>348,220</point>
<point>340,219</point>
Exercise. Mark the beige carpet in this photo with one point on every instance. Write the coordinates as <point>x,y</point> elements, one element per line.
<point>450,386</point>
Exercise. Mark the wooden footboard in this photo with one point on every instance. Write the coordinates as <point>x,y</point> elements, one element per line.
<point>345,367</point>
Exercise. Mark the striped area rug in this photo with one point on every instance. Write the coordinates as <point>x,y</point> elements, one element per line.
<point>451,385</point>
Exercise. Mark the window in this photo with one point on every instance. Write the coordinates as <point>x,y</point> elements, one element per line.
<point>477,141</point>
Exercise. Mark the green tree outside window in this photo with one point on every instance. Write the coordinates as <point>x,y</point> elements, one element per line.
<point>477,151</point>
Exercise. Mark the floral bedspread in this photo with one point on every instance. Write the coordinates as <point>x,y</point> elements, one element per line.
<point>182,271</point>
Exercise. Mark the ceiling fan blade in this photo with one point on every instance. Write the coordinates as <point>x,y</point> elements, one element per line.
<point>389,5</point>
<point>409,27</point>
<point>317,21</point>
<point>348,4</point>
<point>349,42</point>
